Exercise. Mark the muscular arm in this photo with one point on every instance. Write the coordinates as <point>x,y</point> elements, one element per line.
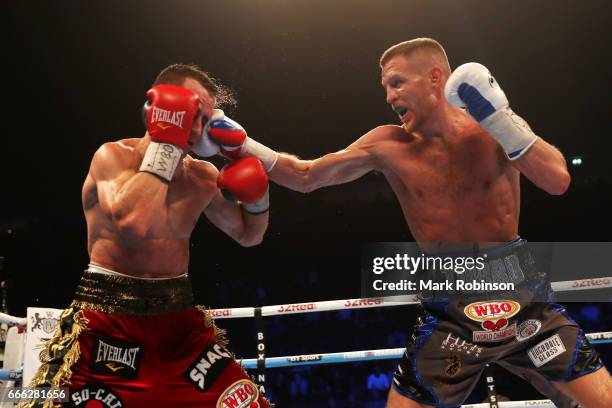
<point>247,229</point>
<point>334,168</point>
<point>544,165</point>
<point>133,199</point>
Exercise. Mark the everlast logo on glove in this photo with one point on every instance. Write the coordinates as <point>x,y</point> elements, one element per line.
<point>163,115</point>
<point>209,365</point>
<point>116,357</point>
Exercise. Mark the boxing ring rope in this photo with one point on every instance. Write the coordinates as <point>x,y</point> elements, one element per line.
<point>352,356</point>
<point>366,355</point>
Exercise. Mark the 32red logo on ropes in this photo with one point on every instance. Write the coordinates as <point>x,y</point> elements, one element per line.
<point>297,307</point>
<point>493,316</point>
<point>220,312</point>
<point>363,302</point>
<point>241,394</point>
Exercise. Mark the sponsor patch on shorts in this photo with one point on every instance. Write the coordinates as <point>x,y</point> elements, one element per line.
<point>452,344</point>
<point>241,394</point>
<point>116,357</point>
<point>491,336</point>
<point>528,329</point>
<point>546,350</point>
<point>208,366</point>
<point>453,365</point>
<point>104,397</point>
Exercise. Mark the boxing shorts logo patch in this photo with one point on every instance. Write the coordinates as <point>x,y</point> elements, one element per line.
<point>493,317</point>
<point>456,344</point>
<point>241,394</point>
<point>453,365</point>
<point>546,350</point>
<point>208,366</point>
<point>46,323</point>
<point>116,357</point>
<point>104,397</point>
<point>528,329</point>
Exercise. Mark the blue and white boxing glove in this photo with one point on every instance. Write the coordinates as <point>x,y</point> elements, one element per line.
<point>226,136</point>
<point>473,87</point>
<point>206,147</point>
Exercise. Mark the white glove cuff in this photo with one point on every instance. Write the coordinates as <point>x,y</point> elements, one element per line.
<point>260,206</point>
<point>511,131</point>
<point>267,156</point>
<point>161,159</point>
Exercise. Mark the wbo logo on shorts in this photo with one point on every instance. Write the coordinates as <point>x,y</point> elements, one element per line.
<point>493,317</point>
<point>241,394</point>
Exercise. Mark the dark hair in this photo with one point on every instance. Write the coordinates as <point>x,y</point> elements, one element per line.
<point>176,74</point>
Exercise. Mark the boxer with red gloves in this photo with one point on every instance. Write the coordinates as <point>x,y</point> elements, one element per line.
<point>169,115</point>
<point>133,337</point>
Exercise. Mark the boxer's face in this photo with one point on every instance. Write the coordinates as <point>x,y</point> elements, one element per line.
<point>409,92</point>
<point>207,104</point>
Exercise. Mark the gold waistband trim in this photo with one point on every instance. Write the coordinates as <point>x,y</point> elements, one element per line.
<point>119,294</point>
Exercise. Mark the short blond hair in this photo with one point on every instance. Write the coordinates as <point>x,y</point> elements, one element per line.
<point>411,47</point>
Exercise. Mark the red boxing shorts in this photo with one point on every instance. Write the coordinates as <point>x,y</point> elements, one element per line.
<point>130,343</point>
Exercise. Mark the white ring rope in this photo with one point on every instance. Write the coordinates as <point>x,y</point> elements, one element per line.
<point>344,304</point>
<point>366,355</point>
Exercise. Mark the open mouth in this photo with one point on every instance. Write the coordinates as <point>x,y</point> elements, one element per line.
<point>400,110</point>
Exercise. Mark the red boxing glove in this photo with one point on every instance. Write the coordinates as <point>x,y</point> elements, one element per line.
<point>170,114</point>
<point>245,180</point>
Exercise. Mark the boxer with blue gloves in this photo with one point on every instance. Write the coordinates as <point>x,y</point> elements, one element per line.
<point>456,175</point>
<point>471,86</point>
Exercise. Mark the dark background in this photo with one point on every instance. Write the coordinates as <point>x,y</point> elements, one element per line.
<point>307,81</point>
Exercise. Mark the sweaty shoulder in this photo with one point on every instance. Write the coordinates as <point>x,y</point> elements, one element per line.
<point>114,156</point>
<point>381,134</point>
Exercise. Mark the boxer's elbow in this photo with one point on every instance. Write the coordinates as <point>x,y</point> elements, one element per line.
<point>561,183</point>
<point>250,239</point>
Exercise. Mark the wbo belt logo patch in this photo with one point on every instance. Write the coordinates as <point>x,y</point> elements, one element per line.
<point>208,366</point>
<point>546,350</point>
<point>103,397</point>
<point>492,310</point>
<point>116,357</point>
<point>493,317</point>
<point>241,394</point>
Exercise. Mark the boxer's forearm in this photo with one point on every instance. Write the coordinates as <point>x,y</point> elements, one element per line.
<point>332,169</point>
<point>291,172</point>
<point>544,166</point>
<point>139,202</point>
<point>255,226</point>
